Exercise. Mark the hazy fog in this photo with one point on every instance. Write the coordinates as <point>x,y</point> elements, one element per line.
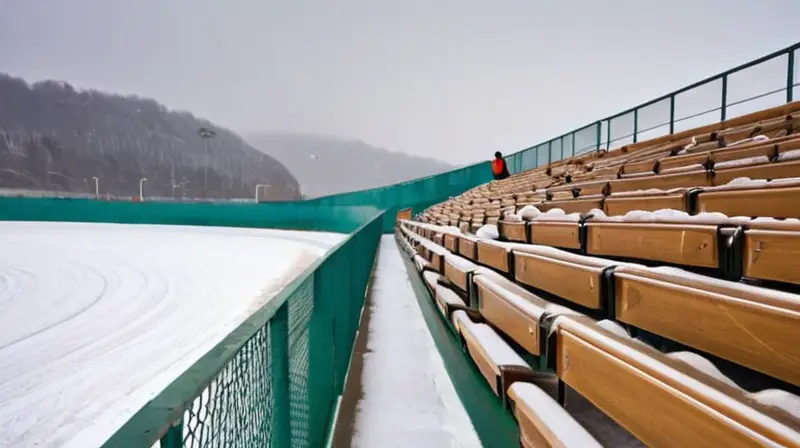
<point>455,80</point>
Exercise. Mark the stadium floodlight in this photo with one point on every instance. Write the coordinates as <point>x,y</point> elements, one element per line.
<point>141,188</point>
<point>206,134</point>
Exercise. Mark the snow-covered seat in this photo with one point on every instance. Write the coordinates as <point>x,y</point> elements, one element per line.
<point>498,363</point>
<point>752,326</point>
<point>632,169</point>
<point>557,229</point>
<point>587,188</point>
<point>581,204</point>
<point>513,230</point>
<point>777,170</point>
<point>696,177</point>
<point>665,401</point>
<point>753,198</point>
<point>451,242</point>
<point>651,200</point>
<point>459,271</point>
<point>579,279</point>
<point>543,422</point>
<point>514,310</point>
<point>431,280</point>
<point>496,255</point>
<point>434,253</point>
<point>468,246</point>
<point>666,236</point>
<point>772,250</point>
<point>448,301</point>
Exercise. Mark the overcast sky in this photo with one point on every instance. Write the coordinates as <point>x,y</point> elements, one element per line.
<point>455,80</point>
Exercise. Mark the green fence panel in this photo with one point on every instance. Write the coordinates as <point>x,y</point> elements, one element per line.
<point>281,215</point>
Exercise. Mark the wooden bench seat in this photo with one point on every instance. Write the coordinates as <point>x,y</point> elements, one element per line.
<point>697,178</point>
<point>582,204</point>
<point>622,203</point>
<point>543,422</point>
<point>756,327</point>
<point>513,310</point>
<point>780,170</point>
<point>496,254</point>
<point>421,263</point>
<point>516,231</point>
<point>579,279</point>
<point>682,160</point>
<point>661,401</point>
<point>435,254</point>
<point>564,233</point>
<point>448,301</point>
<point>690,244</point>
<point>582,188</point>
<point>468,247</point>
<point>431,280</point>
<point>772,251</point>
<point>459,271</point>
<point>499,364</point>
<point>777,199</point>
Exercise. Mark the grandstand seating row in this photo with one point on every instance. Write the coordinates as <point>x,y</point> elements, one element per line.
<point>596,257</point>
<point>484,307</point>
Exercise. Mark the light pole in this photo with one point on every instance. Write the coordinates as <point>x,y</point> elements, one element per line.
<point>258,187</point>
<point>96,186</point>
<point>206,134</point>
<point>141,188</point>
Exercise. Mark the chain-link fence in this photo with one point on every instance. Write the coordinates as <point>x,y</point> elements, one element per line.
<point>273,381</point>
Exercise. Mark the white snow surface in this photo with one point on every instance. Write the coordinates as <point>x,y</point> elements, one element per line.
<point>488,232</point>
<point>97,319</point>
<point>409,399</point>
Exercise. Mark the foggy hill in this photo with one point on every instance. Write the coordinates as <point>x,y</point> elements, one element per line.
<point>327,165</point>
<point>54,137</point>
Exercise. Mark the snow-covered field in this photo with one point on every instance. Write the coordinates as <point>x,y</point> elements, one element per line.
<point>96,319</point>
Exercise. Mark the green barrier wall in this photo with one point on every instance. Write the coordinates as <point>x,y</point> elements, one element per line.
<point>279,215</point>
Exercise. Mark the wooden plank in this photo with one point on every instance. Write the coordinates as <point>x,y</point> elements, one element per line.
<point>513,231</point>
<point>772,255</point>
<point>556,234</point>
<point>494,256</point>
<point>618,206</point>
<point>766,202</point>
<point>657,412</point>
<point>520,323</point>
<point>780,170</point>
<point>662,181</point>
<point>741,329</point>
<point>577,205</point>
<point>570,281</point>
<point>691,245</point>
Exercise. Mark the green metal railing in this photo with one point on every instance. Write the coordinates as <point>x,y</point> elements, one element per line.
<point>759,84</point>
<point>275,380</point>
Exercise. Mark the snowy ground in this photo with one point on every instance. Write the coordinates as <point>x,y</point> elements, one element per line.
<point>409,399</point>
<point>96,319</point>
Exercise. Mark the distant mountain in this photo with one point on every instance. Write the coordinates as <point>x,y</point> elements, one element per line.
<point>54,137</point>
<point>326,165</point>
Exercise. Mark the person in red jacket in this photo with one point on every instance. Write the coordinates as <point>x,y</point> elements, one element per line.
<point>499,168</point>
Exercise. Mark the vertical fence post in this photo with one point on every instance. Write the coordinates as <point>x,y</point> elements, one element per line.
<point>599,138</point>
<point>790,77</point>
<point>672,114</point>
<point>635,125</point>
<point>174,436</point>
<point>723,110</point>
<point>608,135</point>
<point>573,147</point>
<point>281,433</point>
<point>550,152</point>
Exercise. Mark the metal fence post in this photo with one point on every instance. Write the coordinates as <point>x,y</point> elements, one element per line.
<point>599,138</point>
<point>723,110</point>
<point>635,124</point>
<point>573,146</point>
<point>790,77</point>
<point>281,434</point>
<point>672,114</point>
<point>174,436</point>
<point>608,136</point>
